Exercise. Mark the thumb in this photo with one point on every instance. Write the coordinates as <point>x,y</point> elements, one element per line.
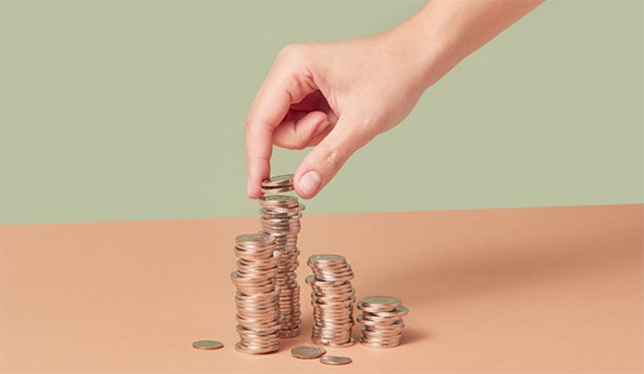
<point>328,157</point>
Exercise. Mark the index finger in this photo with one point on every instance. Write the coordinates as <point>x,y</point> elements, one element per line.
<point>284,86</point>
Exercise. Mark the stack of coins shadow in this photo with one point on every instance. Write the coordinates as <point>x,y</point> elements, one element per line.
<point>280,217</point>
<point>381,321</point>
<point>257,294</point>
<point>332,299</point>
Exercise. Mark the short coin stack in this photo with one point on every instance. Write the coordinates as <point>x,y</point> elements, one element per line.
<point>257,293</point>
<point>332,299</point>
<point>381,321</point>
<point>280,217</point>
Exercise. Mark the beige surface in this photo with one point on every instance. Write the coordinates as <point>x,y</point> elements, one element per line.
<point>521,290</point>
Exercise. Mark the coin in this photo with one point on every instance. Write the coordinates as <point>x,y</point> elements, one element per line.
<point>307,352</point>
<point>276,190</point>
<point>335,360</point>
<point>327,259</point>
<point>332,300</point>
<point>253,239</point>
<point>282,201</point>
<point>207,344</point>
<point>280,218</point>
<point>385,301</point>
<point>278,181</point>
<point>253,350</point>
<point>257,293</point>
<point>381,321</point>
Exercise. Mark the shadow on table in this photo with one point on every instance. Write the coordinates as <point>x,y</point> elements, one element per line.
<point>493,269</point>
<point>412,335</point>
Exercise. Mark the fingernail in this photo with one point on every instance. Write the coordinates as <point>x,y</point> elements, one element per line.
<point>310,182</point>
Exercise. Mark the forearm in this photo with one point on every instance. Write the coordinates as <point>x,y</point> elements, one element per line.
<point>444,32</point>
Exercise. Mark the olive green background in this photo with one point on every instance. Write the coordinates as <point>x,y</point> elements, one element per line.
<point>132,110</point>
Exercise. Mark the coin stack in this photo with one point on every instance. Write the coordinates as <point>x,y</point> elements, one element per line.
<point>280,217</point>
<point>381,321</point>
<point>257,293</point>
<point>332,299</point>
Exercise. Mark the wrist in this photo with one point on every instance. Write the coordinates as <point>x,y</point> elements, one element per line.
<point>428,56</point>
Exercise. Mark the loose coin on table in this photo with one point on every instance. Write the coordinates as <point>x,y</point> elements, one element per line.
<point>207,344</point>
<point>335,360</point>
<point>307,352</point>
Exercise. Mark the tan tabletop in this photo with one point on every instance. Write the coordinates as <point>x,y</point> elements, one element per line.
<point>509,290</point>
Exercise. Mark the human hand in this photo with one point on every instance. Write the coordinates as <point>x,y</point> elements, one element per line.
<point>336,96</point>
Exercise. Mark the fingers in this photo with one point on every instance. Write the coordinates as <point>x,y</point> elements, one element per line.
<point>299,131</point>
<point>326,159</point>
<point>287,83</point>
<point>258,156</point>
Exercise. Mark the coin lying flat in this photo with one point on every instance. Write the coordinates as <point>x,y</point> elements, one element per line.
<point>256,299</point>
<point>280,218</point>
<point>335,360</point>
<point>278,181</point>
<point>253,240</point>
<point>207,344</point>
<point>277,190</point>
<point>381,300</point>
<point>307,352</point>
<point>333,298</point>
<point>327,258</point>
<point>381,321</point>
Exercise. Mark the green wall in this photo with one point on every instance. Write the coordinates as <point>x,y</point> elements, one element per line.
<point>134,110</point>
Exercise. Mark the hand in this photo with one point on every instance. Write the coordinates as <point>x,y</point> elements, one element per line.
<point>335,96</point>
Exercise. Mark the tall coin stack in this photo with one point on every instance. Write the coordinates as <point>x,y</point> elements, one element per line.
<point>381,321</point>
<point>257,293</point>
<point>332,299</point>
<point>280,217</point>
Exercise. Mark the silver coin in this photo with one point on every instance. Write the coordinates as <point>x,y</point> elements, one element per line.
<point>254,239</point>
<point>207,344</point>
<point>278,181</point>
<point>277,190</point>
<point>279,198</point>
<point>307,352</point>
<point>381,300</point>
<point>335,360</point>
<point>327,258</point>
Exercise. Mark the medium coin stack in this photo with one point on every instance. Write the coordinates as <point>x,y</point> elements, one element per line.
<point>280,217</point>
<point>332,299</point>
<point>381,321</point>
<point>257,293</point>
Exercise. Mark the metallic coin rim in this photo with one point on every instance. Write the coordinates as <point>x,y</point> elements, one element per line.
<point>209,347</point>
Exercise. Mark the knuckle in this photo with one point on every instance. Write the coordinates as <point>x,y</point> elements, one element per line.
<point>249,125</point>
<point>331,156</point>
<point>292,53</point>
